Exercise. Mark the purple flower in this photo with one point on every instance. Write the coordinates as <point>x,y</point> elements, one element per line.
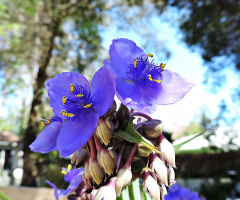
<point>79,108</point>
<point>140,83</point>
<point>176,192</point>
<point>73,176</point>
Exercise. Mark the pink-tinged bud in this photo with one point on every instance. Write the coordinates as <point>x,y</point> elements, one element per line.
<point>159,169</point>
<point>171,176</point>
<point>124,178</point>
<point>143,151</point>
<point>153,128</point>
<point>107,192</point>
<point>151,186</point>
<point>96,171</point>
<point>79,158</point>
<point>167,150</point>
<point>163,191</point>
<point>104,132</point>
<point>107,161</point>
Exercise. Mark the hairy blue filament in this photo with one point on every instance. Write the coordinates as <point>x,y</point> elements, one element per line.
<point>145,73</point>
<point>78,102</point>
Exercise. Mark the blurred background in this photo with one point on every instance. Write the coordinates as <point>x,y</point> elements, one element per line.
<point>199,39</point>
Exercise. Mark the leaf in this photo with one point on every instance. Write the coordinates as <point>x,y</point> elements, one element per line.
<point>178,146</point>
<point>132,135</point>
<point>134,190</point>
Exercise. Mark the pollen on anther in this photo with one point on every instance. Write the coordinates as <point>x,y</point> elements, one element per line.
<point>135,63</point>
<point>157,81</point>
<point>88,105</point>
<point>150,77</point>
<point>64,99</point>
<point>72,88</point>
<point>149,55</point>
<point>42,123</point>
<point>48,121</point>
<point>63,172</point>
<point>162,66</point>
<point>79,95</point>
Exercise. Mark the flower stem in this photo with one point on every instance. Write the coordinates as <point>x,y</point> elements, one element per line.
<point>93,148</point>
<point>120,156</point>
<point>130,158</point>
<point>141,115</point>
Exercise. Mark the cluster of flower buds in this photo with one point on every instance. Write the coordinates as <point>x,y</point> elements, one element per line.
<point>111,157</point>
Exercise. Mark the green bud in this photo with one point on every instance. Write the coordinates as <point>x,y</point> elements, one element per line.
<point>153,128</point>
<point>96,171</point>
<point>107,161</point>
<point>79,158</point>
<point>143,151</point>
<point>104,132</point>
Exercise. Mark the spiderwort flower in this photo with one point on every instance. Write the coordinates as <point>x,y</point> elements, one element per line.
<point>73,176</point>
<point>140,83</point>
<point>78,106</point>
<point>176,192</point>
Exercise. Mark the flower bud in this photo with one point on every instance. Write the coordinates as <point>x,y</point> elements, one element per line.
<point>106,161</point>
<point>167,150</point>
<point>87,177</point>
<point>103,132</point>
<point>171,176</point>
<point>96,171</point>
<point>151,186</point>
<point>153,128</point>
<point>143,151</point>
<point>107,192</point>
<point>159,169</point>
<point>79,157</point>
<point>124,178</point>
<point>163,191</point>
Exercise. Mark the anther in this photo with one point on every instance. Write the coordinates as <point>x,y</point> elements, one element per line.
<point>150,77</point>
<point>72,88</point>
<point>64,113</point>
<point>162,66</point>
<point>42,123</point>
<point>88,105</point>
<point>79,95</point>
<point>69,167</point>
<point>157,81</point>
<point>135,63</point>
<point>48,121</point>
<point>63,172</point>
<point>64,99</point>
<point>149,55</point>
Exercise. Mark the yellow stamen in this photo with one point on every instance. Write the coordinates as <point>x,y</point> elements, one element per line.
<point>72,89</point>
<point>48,121</point>
<point>64,99</point>
<point>79,95</point>
<point>63,171</point>
<point>149,55</point>
<point>135,63</point>
<point>88,105</point>
<point>157,81</point>
<point>69,167</point>
<point>162,66</point>
<point>150,77</point>
<point>63,112</point>
<point>42,123</point>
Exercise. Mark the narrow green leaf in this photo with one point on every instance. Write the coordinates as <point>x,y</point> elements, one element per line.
<point>178,146</point>
<point>133,136</point>
<point>134,190</point>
